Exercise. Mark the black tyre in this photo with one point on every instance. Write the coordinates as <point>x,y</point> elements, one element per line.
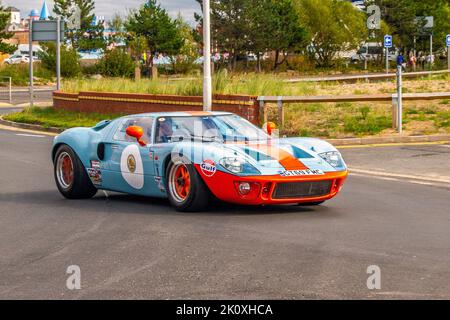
<point>185,188</point>
<point>311,203</point>
<point>71,176</point>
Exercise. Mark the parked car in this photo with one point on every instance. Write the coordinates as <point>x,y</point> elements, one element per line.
<point>20,58</point>
<point>17,59</point>
<point>372,52</point>
<point>188,157</point>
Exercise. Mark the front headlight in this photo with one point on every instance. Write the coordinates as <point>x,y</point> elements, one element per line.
<point>334,158</point>
<point>238,165</point>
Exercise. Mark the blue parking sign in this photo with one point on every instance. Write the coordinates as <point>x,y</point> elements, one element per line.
<point>388,41</point>
<point>448,40</point>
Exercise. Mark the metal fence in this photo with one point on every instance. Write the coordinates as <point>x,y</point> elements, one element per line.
<point>6,89</point>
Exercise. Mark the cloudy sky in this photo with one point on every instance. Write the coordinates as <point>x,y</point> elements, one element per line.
<point>108,7</point>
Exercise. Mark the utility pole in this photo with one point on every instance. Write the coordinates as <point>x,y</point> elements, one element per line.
<point>58,53</point>
<point>207,82</point>
<point>30,36</point>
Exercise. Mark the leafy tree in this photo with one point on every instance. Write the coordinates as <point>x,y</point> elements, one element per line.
<point>184,61</point>
<point>333,26</point>
<point>4,22</point>
<point>116,63</point>
<point>137,45</point>
<point>242,26</point>
<point>229,26</point>
<point>89,36</point>
<point>161,33</point>
<point>278,28</point>
<point>70,64</point>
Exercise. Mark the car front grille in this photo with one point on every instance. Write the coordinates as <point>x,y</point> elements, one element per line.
<point>304,189</point>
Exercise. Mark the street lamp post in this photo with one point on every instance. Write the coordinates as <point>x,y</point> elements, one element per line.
<point>207,85</point>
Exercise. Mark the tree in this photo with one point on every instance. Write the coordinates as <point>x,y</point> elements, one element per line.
<point>278,29</point>
<point>90,34</point>
<point>333,26</point>
<point>229,27</point>
<point>242,26</point>
<point>5,48</point>
<point>188,53</point>
<point>153,23</point>
<point>70,63</point>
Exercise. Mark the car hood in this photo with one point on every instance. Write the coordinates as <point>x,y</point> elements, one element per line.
<point>275,156</point>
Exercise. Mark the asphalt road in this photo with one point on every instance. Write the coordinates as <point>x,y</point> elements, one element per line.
<point>132,248</point>
<point>21,95</point>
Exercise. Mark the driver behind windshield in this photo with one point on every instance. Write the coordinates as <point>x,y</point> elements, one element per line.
<point>165,130</point>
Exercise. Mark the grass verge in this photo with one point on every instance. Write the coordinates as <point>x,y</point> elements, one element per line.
<point>51,117</point>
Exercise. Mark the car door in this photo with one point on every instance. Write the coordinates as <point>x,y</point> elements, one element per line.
<point>129,165</point>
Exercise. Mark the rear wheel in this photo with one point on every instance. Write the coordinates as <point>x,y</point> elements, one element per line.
<point>70,175</point>
<point>185,188</point>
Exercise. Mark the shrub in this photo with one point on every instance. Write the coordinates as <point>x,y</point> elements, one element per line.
<point>116,63</point>
<point>20,74</point>
<point>70,62</point>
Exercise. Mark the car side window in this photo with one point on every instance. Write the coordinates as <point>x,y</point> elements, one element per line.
<point>145,123</point>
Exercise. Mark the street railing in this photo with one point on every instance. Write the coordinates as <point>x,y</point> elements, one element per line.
<point>281,101</point>
<point>366,77</point>
<point>6,82</point>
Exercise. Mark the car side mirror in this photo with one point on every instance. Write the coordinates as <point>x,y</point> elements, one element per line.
<point>136,132</point>
<point>270,126</point>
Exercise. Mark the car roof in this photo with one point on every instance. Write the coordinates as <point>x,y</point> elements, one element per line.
<point>181,114</point>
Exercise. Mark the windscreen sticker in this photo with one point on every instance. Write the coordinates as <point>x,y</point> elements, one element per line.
<point>305,172</point>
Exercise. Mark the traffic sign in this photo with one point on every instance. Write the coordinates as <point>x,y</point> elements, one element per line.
<point>45,30</point>
<point>388,41</point>
<point>448,40</point>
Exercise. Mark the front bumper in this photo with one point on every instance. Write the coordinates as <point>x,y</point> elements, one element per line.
<point>224,187</point>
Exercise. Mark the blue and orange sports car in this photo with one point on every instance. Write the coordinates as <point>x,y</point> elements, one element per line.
<point>189,157</point>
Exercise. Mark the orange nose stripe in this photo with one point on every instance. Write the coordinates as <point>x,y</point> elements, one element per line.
<point>285,158</point>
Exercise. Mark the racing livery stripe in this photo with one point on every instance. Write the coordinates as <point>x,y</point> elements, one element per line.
<point>199,113</point>
<point>288,161</point>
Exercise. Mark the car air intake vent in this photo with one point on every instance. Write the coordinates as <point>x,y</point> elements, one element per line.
<point>305,189</point>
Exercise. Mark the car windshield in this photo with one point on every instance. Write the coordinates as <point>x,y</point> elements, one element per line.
<point>226,128</point>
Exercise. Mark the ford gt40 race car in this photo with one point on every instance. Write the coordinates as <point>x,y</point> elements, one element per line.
<point>190,156</point>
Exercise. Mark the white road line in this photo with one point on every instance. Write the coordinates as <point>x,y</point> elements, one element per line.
<point>421,182</point>
<point>398,175</point>
<point>30,135</point>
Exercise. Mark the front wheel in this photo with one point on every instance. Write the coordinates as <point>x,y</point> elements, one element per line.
<point>71,176</point>
<point>185,188</point>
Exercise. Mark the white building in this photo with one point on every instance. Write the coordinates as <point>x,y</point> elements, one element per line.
<point>15,15</point>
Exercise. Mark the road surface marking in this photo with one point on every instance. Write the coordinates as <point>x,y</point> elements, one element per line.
<point>30,135</point>
<point>9,128</point>
<point>394,144</point>
<point>398,175</point>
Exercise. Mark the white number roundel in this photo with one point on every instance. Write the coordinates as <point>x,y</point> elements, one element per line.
<point>131,166</point>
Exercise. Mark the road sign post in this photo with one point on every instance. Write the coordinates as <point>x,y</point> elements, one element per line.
<point>58,53</point>
<point>30,39</point>
<point>46,30</point>
<point>387,45</point>
<point>399,99</point>
<point>448,49</point>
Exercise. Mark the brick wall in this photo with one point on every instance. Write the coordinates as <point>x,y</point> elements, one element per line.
<point>130,103</point>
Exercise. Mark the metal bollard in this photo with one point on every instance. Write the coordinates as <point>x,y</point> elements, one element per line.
<point>399,99</point>
<point>280,112</point>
